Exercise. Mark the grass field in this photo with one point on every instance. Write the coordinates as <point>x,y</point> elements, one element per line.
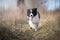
<point>13,28</point>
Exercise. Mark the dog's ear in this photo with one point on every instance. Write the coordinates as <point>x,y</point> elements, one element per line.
<point>35,9</point>
<point>28,12</point>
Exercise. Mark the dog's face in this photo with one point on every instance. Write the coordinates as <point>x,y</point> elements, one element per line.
<point>31,12</point>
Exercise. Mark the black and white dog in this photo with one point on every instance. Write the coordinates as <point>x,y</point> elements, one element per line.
<point>34,18</point>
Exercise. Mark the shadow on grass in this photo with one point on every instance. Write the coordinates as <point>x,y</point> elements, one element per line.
<point>48,31</point>
<point>5,33</point>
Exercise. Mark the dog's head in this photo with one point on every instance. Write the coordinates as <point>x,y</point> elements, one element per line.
<point>32,12</point>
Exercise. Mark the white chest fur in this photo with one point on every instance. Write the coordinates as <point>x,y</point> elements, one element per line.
<point>36,19</point>
<point>34,22</point>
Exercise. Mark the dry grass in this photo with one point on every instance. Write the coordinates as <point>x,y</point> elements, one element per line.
<point>14,28</point>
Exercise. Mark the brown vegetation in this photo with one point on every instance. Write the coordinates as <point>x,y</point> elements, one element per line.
<point>14,26</point>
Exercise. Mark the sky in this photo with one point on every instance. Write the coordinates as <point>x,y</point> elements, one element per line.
<point>49,4</point>
<point>52,4</point>
<point>5,4</point>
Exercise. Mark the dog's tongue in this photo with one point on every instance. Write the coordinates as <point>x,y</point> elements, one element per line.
<point>31,18</point>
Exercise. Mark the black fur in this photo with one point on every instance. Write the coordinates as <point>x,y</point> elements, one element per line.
<point>34,11</point>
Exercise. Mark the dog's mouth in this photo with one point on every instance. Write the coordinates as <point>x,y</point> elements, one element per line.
<point>32,17</point>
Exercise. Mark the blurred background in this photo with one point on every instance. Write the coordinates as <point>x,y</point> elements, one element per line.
<point>14,23</point>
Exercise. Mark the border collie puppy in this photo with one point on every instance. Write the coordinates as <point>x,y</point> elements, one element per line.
<point>33,18</point>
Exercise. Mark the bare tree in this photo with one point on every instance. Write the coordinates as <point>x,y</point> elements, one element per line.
<point>19,2</point>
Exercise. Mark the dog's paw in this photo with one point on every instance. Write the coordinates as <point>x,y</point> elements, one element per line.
<point>30,27</point>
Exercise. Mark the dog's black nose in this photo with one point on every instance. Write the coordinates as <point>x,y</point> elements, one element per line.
<point>31,15</point>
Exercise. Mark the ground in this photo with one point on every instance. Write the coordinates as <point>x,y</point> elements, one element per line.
<point>48,29</point>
